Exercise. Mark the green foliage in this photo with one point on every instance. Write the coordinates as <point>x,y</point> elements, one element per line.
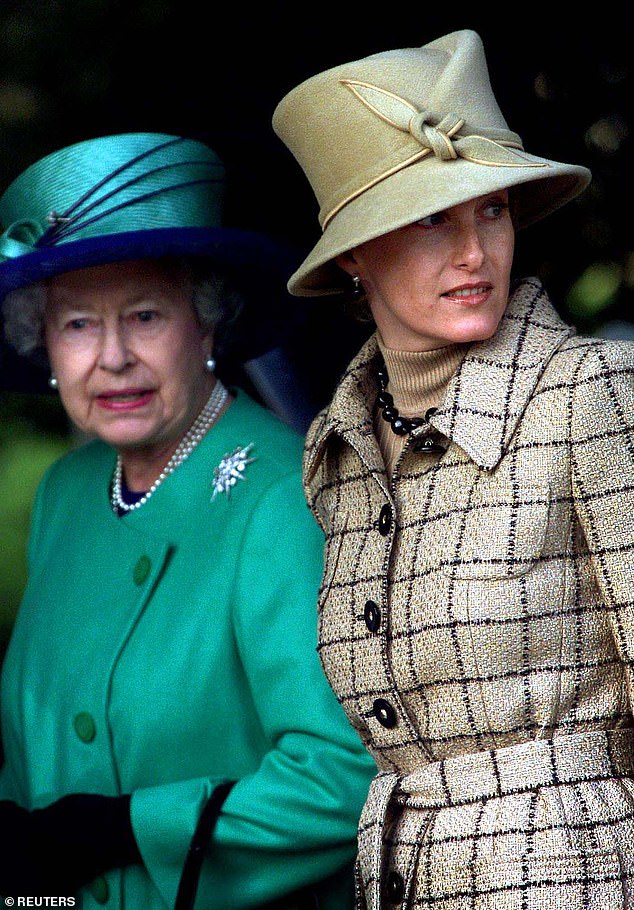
<point>26,450</point>
<point>595,290</point>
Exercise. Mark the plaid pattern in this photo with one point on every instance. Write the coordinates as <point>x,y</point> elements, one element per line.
<point>481,600</point>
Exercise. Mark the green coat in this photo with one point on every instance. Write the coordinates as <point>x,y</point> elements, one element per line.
<point>159,653</point>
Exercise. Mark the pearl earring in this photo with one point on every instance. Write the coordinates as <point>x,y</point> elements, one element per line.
<point>210,364</point>
<point>52,381</point>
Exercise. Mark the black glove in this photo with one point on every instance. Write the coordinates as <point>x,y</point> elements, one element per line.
<point>14,857</point>
<point>58,849</point>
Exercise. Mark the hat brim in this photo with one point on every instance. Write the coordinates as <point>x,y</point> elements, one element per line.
<point>422,189</point>
<point>257,263</point>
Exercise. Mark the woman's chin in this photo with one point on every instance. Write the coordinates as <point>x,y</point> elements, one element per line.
<point>474,330</point>
<point>128,441</point>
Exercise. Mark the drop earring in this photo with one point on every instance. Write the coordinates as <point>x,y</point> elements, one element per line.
<point>210,364</point>
<point>357,287</point>
<point>52,381</point>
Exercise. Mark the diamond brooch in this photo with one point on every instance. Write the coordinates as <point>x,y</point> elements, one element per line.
<point>231,470</point>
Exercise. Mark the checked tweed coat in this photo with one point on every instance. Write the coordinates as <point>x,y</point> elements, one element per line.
<point>476,621</point>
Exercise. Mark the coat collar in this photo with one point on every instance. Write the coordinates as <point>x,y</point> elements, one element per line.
<point>483,402</point>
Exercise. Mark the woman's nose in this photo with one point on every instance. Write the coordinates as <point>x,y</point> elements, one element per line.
<point>114,351</point>
<point>470,252</point>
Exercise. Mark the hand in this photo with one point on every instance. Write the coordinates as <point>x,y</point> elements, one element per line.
<point>64,846</point>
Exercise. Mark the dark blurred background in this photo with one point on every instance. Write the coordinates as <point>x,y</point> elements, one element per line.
<point>73,69</point>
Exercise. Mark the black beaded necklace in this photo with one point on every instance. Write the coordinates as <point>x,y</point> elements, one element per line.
<point>402,426</point>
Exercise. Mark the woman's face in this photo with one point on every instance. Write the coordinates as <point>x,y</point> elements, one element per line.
<point>128,353</point>
<point>441,280</point>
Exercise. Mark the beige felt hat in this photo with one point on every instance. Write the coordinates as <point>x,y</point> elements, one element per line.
<point>394,137</point>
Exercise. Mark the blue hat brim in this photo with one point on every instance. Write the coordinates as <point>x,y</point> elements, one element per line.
<point>259,264</point>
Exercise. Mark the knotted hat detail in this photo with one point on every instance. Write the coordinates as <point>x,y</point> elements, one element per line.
<point>436,132</point>
<point>443,135</point>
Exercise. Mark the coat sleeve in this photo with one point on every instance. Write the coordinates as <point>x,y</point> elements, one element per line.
<point>294,820</point>
<point>9,786</point>
<point>602,459</point>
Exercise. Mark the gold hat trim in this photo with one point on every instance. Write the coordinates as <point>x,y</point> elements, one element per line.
<point>439,134</point>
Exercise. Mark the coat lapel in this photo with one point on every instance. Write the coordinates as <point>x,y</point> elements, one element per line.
<point>486,398</point>
<point>349,415</point>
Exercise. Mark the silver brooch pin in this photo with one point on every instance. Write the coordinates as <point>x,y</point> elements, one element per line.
<point>54,218</point>
<point>231,470</point>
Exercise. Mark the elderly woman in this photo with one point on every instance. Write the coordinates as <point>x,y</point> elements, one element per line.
<point>473,476</point>
<point>166,643</point>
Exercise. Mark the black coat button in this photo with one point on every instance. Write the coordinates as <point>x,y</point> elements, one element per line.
<point>372,616</point>
<point>385,520</point>
<point>395,887</point>
<point>384,713</point>
<point>428,446</point>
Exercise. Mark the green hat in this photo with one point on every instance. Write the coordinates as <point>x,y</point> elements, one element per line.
<point>135,196</point>
<point>392,138</point>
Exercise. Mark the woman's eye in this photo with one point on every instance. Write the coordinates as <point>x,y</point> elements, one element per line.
<point>431,220</point>
<point>495,209</point>
<point>145,315</point>
<point>76,325</point>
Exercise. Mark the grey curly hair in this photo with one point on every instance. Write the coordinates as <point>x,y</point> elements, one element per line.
<point>215,302</point>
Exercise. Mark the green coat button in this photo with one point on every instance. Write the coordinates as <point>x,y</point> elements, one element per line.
<point>85,726</point>
<point>142,569</point>
<point>100,890</point>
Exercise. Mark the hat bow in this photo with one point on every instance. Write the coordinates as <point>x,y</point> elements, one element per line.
<point>442,134</point>
<point>20,238</point>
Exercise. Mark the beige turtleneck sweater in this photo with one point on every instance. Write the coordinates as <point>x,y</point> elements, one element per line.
<point>417,382</point>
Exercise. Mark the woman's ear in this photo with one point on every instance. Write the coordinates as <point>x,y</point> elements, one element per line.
<point>347,262</point>
<point>207,342</point>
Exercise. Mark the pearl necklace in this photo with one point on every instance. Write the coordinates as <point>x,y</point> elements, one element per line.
<point>188,443</point>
